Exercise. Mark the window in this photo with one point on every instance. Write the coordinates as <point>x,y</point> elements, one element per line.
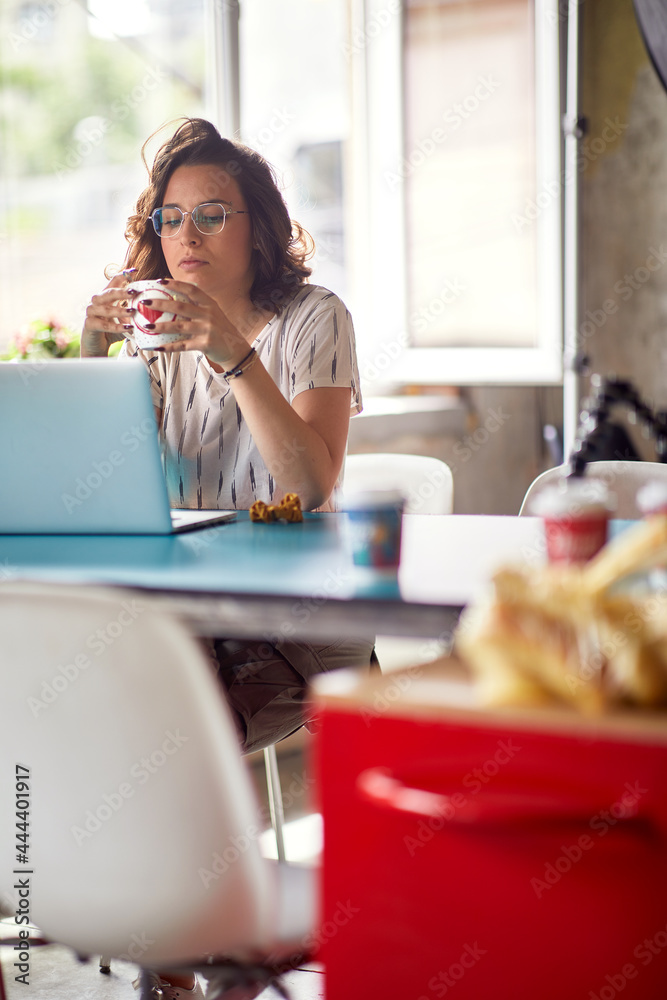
<point>460,191</point>
<point>80,91</point>
<point>468,171</point>
<point>295,108</point>
<point>417,140</point>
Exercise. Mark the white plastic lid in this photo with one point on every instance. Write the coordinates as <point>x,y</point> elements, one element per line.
<point>574,497</point>
<point>652,497</point>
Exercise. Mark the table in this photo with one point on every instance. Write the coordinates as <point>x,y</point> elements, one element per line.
<point>294,580</point>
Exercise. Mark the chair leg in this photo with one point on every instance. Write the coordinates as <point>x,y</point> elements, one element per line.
<point>146,985</point>
<point>105,965</point>
<point>275,798</point>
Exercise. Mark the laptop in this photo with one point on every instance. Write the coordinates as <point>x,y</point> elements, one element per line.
<point>80,455</point>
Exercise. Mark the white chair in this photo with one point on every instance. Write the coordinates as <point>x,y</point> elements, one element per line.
<point>428,486</point>
<point>623,479</point>
<point>427,483</point>
<point>143,821</point>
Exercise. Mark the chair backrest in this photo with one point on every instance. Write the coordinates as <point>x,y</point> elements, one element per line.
<point>143,822</point>
<point>623,479</point>
<point>427,483</point>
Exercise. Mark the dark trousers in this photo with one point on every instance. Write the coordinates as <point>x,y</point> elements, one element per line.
<point>267,685</point>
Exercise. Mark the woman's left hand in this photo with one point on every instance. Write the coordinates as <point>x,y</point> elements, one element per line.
<point>203,325</point>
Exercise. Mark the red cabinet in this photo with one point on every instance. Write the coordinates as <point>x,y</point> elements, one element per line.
<point>480,854</point>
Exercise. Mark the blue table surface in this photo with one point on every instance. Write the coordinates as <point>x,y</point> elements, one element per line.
<point>445,559</point>
<point>235,557</point>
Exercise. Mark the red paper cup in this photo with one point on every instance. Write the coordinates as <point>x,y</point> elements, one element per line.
<point>576,519</point>
<point>575,539</point>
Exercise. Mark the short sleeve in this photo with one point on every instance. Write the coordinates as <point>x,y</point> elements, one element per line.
<point>324,351</point>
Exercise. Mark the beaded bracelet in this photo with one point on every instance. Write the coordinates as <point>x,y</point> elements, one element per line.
<point>243,365</point>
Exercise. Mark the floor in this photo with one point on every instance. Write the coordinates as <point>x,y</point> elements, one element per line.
<point>55,974</point>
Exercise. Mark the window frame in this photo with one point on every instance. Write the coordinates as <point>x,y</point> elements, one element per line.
<point>377,217</point>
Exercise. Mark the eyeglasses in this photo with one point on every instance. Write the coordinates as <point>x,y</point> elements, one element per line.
<point>209,219</point>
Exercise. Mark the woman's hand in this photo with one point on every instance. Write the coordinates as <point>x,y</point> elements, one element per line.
<point>204,326</point>
<point>106,318</point>
<point>302,443</point>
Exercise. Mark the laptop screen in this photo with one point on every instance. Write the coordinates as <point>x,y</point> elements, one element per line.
<point>79,449</point>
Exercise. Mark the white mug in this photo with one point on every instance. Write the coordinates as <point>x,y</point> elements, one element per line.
<point>151,290</point>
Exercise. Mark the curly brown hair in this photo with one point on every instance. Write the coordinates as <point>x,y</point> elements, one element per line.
<point>282,246</point>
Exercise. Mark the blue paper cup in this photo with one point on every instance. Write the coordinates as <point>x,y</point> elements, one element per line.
<point>374,521</point>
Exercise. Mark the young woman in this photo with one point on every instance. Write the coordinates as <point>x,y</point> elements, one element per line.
<point>254,400</point>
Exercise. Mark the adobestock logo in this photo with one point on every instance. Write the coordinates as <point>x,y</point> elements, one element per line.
<point>601,824</point>
<point>446,979</point>
<point>645,952</point>
<point>566,8</point>
<point>391,693</point>
<point>97,127</point>
<point>278,122</point>
<point>40,16</point>
<point>138,946</point>
<point>471,443</point>
<point>633,622</point>
<point>373,368</point>
<point>84,486</point>
<point>97,642</point>
<point>141,772</point>
<point>474,781</point>
<point>453,118</point>
<point>240,844</point>
<point>341,917</point>
<point>424,316</point>
<point>589,152</point>
<point>624,289</point>
<point>7,571</point>
<point>221,862</point>
<point>373,27</point>
<point>419,320</point>
<point>333,583</point>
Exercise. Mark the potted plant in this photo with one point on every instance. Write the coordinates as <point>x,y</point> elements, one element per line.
<point>40,340</point>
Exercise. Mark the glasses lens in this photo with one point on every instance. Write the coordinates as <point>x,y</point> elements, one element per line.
<point>167,221</point>
<point>209,218</point>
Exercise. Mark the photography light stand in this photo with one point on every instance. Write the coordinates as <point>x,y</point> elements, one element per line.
<point>609,393</point>
<point>574,127</point>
